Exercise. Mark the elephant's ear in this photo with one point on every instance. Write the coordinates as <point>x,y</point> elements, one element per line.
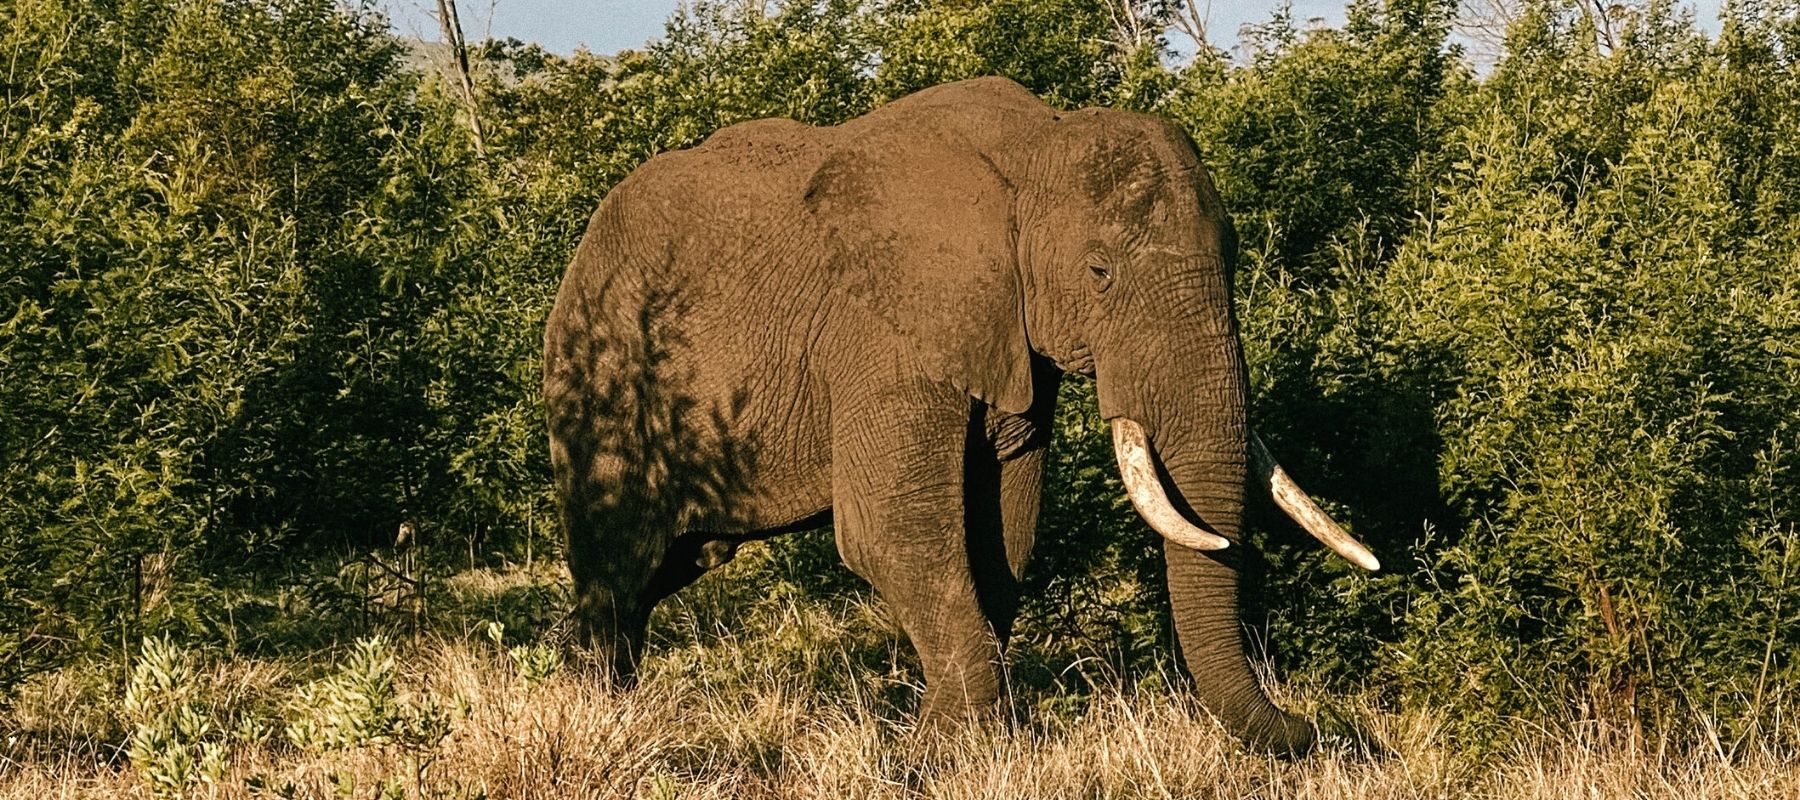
<point>920,230</point>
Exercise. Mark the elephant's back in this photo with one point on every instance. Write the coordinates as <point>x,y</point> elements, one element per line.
<point>754,168</point>
<point>689,307</point>
<point>994,114</point>
<point>761,144</point>
<point>704,262</point>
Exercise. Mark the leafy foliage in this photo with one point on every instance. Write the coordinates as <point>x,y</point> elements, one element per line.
<point>1610,334</point>
<point>219,244</point>
<point>360,705</point>
<point>533,663</point>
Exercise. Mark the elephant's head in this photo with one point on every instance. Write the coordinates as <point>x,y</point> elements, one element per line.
<point>1126,255</point>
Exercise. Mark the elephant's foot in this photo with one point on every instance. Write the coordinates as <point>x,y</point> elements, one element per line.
<point>609,635</point>
<point>608,661</point>
<point>961,697</point>
<point>948,738</point>
<point>602,666</point>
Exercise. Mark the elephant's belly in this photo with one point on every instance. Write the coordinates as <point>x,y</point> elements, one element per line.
<point>735,348</point>
<point>764,453</point>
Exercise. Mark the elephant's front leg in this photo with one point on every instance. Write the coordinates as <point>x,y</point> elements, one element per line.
<point>1003,500</point>
<point>898,488</point>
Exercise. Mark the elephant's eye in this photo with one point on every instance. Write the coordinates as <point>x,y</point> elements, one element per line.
<point>1102,277</point>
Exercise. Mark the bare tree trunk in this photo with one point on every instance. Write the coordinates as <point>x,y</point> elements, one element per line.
<point>1596,13</point>
<point>451,26</point>
<point>1485,23</point>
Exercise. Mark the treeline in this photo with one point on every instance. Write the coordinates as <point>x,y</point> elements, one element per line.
<point>1534,333</point>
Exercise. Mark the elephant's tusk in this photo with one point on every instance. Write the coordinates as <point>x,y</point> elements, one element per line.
<point>1139,475</point>
<point>1298,505</point>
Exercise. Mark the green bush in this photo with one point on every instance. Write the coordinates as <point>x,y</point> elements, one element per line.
<point>361,705</point>
<point>1611,336</point>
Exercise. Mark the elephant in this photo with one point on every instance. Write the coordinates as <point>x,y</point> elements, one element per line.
<point>865,325</point>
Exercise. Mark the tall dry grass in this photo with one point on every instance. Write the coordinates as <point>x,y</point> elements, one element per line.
<point>808,700</point>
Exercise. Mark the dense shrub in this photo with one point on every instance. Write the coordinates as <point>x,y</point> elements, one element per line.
<point>219,233</point>
<point>1611,339</point>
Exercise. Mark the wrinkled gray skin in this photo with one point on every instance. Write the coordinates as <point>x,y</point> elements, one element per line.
<point>865,325</point>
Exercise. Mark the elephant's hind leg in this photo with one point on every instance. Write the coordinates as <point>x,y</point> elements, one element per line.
<point>616,544</point>
<point>620,576</point>
<point>613,566</point>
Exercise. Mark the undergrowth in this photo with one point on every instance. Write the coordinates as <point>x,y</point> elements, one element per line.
<point>757,691</point>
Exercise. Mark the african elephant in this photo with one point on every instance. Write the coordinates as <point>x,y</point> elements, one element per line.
<point>866,325</point>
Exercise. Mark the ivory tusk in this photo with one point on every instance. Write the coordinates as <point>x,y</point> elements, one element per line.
<point>1138,473</point>
<point>1298,505</point>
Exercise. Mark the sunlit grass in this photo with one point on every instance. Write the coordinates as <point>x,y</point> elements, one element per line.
<point>796,697</point>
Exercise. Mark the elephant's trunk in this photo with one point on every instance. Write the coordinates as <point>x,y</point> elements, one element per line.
<point>1196,438</point>
<point>1203,596</point>
<point>1209,470</point>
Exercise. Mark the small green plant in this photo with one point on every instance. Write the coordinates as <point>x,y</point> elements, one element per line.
<point>173,741</point>
<point>361,705</point>
<point>533,663</point>
<point>663,786</point>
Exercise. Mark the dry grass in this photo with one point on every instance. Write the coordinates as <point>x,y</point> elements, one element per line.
<point>811,706</point>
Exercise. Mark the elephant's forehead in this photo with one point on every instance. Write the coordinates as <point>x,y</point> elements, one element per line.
<point>1115,164</point>
<point>1129,186</point>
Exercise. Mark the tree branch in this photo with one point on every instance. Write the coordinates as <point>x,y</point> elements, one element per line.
<point>451,25</point>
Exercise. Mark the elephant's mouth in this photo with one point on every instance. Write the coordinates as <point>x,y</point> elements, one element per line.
<point>1138,472</point>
